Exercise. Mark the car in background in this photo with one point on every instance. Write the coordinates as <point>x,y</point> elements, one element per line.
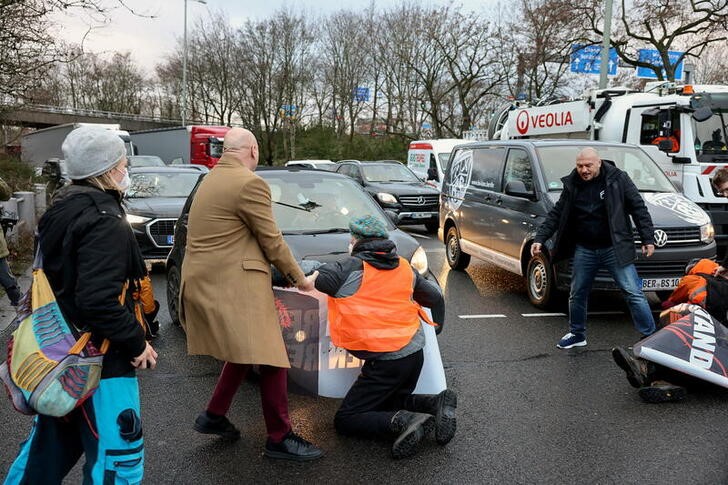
<point>145,161</point>
<point>396,188</point>
<point>153,203</point>
<point>312,209</point>
<point>496,194</point>
<point>319,164</point>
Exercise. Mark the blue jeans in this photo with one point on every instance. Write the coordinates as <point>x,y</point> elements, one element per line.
<point>586,264</point>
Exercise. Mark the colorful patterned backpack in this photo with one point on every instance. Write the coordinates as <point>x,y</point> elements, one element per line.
<point>48,371</point>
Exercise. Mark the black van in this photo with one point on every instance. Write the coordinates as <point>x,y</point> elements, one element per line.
<point>495,195</point>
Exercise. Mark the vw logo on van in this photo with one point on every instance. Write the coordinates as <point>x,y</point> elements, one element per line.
<point>660,238</point>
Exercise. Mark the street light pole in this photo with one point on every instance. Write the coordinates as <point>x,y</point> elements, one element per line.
<point>604,67</point>
<point>184,66</point>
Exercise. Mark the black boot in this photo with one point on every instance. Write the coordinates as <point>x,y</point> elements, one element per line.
<point>412,429</point>
<point>442,406</point>
<point>639,371</point>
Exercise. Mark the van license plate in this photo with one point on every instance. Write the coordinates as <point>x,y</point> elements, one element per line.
<point>170,239</point>
<point>658,284</point>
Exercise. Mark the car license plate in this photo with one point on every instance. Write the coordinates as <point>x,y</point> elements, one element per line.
<point>170,239</point>
<point>420,215</point>
<point>658,284</point>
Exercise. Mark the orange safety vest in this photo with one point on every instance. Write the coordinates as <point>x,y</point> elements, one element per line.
<point>382,315</point>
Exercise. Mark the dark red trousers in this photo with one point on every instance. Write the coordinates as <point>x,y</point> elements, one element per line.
<point>273,396</point>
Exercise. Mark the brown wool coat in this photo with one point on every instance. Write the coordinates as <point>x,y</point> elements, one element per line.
<point>226,301</point>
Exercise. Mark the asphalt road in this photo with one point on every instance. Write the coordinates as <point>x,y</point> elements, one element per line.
<point>528,412</point>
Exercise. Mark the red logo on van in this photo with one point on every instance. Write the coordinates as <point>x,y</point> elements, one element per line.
<point>522,122</point>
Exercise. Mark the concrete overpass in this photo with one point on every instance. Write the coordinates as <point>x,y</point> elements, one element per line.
<point>40,116</point>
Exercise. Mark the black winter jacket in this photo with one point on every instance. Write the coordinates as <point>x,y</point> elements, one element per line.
<point>89,252</point>
<point>622,200</point>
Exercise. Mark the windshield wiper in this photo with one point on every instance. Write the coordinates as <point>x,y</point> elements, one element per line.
<point>303,232</point>
<point>306,206</point>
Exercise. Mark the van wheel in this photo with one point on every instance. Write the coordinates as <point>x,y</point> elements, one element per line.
<point>456,258</point>
<point>173,280</point>
<point>432,225</point>
<point>540,283</point>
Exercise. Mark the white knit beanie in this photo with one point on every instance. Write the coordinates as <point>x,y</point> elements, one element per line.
<point>91,151</point>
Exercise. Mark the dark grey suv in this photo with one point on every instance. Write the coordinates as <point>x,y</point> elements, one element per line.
<point>496,194</point>
<point>397,189</point>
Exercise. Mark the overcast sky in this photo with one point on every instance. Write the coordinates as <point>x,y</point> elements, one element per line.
<point>149,39</point>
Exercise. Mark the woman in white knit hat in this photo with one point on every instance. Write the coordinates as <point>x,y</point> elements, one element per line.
<point>93,264</point>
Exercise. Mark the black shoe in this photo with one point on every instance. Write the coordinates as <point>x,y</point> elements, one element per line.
<point>442,406</point>
<point>412,429</point>
<point>636,372</point>
<point>662,391</point>
<point>219,425</point>
<point>293,447</point>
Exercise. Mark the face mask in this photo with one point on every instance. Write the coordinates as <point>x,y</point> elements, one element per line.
<point>124,183</point>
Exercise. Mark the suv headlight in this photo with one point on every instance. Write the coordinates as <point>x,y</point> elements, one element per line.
<point>707,233</point>
<point>135,219</point>
<point>386,198</point>
<point>419,261</point>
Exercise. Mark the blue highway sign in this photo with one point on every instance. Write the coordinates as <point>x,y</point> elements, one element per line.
<point>652,56</point>
<point>587,59</point>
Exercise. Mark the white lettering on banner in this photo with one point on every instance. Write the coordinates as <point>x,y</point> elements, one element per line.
<point>341,359</point>
<point>701,352</point>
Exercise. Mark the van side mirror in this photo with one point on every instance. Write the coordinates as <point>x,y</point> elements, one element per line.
<point>432,174</point>
<point>517,188</point>
<point>703,113</point>
<point>665,146</point>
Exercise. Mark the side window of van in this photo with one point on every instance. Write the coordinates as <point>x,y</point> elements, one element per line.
<point>487,168</point>
<point>518,167</point>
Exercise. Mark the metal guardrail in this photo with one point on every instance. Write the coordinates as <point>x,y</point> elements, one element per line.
<point>92,112</point>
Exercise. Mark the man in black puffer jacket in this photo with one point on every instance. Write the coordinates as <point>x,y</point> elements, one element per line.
<point>375,313</point>
<point>591,221</point>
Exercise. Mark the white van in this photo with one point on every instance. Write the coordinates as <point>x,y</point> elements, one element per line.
<point>428,158</point>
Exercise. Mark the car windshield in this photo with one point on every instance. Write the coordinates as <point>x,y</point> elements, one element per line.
<point>305,202</point>
<point>389,172</point>
<point>559,161</point>
<point>711,135</point>
<point>444,158</point>
<point>145,161</point>
<point>161,184</point>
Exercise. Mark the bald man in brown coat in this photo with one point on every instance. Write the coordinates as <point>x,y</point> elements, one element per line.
<point>226,300</point>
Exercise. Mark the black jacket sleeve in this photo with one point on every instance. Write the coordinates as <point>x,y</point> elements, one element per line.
<point>549,226</point>
<point>636,207</point>
<point>102,268</point>
<point>429,295</point>
<point>332,276</point>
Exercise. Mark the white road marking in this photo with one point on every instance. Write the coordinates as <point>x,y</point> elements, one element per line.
<point>543,314</point>
<point>482,316</point>
<point>414,234</point>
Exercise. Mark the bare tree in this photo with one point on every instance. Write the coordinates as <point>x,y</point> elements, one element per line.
<point>663,25</point>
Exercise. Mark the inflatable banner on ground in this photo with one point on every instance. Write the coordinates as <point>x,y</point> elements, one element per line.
<point>320,368</point>
<point>695,344</point>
